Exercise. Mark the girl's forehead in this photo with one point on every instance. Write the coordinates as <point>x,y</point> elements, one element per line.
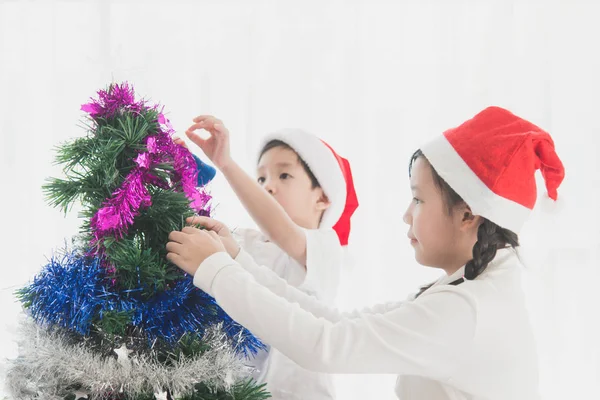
<point>421,178</point>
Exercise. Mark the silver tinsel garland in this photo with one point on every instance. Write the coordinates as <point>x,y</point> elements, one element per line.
<point>49,366</point>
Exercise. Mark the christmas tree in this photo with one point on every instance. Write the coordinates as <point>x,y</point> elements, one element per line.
<point>109,317</point>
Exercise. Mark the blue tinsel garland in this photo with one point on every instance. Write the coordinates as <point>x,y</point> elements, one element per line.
<point>72,291</point>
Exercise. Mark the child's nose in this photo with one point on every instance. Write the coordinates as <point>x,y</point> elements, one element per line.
<point>407,217</point>
<point>269,186</point>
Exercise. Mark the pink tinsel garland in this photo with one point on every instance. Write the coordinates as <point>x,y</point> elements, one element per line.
<point>118,212</point>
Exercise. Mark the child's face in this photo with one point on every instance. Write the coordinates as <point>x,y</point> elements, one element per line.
<point>281,174</point>
<point>437,237</point>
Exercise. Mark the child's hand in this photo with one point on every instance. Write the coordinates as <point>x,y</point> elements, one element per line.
<point>189,247</point>
<point>179,141</point>
<point>232,247</point>
<point>216,147</point>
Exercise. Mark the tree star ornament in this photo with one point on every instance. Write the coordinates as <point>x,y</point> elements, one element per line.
<point>161,396</point>
<point>80,395</point>
<point>123,356</point>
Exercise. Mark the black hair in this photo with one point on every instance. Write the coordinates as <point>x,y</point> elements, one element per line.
<point>490,236</point>
<point>278,143</point>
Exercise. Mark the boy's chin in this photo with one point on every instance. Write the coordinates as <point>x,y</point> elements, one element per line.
<point>305,222</point>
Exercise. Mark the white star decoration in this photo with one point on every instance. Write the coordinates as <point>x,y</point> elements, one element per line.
<point>229,380</point>
<point>123,355</point>
<point>160,396</point>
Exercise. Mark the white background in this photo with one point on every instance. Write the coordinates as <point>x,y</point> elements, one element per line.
<point>374,78</point>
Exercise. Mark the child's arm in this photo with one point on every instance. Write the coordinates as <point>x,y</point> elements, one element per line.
<point>427,337</point>
<point>262,207</point>
<point>422,338</point>
<point>270,280</point>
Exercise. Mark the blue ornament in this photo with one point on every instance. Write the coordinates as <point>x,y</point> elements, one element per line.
<point>206,172</point>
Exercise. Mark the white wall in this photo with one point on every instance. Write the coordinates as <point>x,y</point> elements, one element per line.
<point>374,78</point>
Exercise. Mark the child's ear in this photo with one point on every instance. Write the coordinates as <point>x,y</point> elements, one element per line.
<point>468,219</point>
<point>323,203</point>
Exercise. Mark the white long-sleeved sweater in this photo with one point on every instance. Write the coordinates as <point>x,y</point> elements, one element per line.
<point>471,341</point>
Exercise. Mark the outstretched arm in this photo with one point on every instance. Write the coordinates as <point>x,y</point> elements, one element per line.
<point>262,207</point>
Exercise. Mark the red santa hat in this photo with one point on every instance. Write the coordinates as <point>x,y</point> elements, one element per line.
<point>490,161</point>
<point>333,173</point>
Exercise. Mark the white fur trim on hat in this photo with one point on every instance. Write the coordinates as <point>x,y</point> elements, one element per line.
<point>323,164</point>
<point>482,200</point>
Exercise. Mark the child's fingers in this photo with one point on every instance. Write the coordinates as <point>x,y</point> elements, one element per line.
<point>208,223</point>
<point>220,133</point>
<point>190,230</point>
<point>202,118</point>
<point>196,138</point>
<point>209,128</point>
<point>219,127</point>
<point>198,220</point>
<point>179,141</point>
<point>177,236</point>
<point>214,235</point>
<point>175,259</point>
<point>199,125</point>
<point>173,247</point>
<point>207,122</point>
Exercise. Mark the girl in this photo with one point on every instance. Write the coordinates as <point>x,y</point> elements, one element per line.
<point>466,336</point>
<point>302,200</point>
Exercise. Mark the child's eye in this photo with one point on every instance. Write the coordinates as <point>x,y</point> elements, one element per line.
<point>284,176</point>
<point>417,201</point>
<point>261,180</point>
